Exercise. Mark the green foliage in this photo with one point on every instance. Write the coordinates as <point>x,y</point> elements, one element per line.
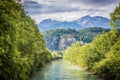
<point>56,54</point>
<point>87,35</point>
<point>109,67</point>
<point>54,37</point>
<point>71,53</point>
<point>22,48</point>
<point>115,17</point>
<point>100,56</point>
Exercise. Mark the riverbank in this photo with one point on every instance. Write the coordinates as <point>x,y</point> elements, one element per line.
<point>78,67</point>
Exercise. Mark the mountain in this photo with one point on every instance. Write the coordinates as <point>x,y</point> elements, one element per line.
<point>60,39</point>
<point>49,24</point>
<point>96,21</point>
<point>83,22</point>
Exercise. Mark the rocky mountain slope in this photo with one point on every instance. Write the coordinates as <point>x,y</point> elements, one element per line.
<point>60,39</point>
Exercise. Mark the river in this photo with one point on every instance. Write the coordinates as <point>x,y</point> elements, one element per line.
<point>63,70</point>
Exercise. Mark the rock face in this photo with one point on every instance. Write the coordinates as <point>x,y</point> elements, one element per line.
<point>66,41</point>
<point>58,43</point>
<point>60,39</point>
<point>52,42</point>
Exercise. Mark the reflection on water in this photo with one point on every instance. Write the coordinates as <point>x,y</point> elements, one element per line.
<point>62,70</point>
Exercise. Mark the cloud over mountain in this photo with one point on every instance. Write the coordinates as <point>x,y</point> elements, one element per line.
<point>68,10</point>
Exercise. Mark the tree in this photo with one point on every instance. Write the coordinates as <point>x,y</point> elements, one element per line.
<point>22,47</point>
<point>115,18</point>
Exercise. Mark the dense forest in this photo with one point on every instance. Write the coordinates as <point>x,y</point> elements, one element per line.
<point>102,55</point>
<point>22,47</point>
<point>60,39</point>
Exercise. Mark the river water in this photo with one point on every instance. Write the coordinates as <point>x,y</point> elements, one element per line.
<point>63,70</point>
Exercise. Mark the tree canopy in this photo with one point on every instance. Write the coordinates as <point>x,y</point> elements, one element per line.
<point>22,47</point>
<point>115,17</point>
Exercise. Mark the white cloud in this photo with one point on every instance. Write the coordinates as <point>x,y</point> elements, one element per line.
<point>66,16</point>
<point>68,10</point>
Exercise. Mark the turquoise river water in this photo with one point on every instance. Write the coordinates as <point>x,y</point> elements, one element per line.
<point>63,70</point>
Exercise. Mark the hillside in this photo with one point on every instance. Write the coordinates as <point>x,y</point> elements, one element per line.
<point>60,39</point>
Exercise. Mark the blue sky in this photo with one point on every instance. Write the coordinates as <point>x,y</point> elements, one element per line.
<point>68,10</point>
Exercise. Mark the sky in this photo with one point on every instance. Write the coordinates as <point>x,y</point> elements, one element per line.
<point>68,10</point>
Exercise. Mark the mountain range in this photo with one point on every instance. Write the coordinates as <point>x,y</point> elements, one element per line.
<point>81,23</point>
